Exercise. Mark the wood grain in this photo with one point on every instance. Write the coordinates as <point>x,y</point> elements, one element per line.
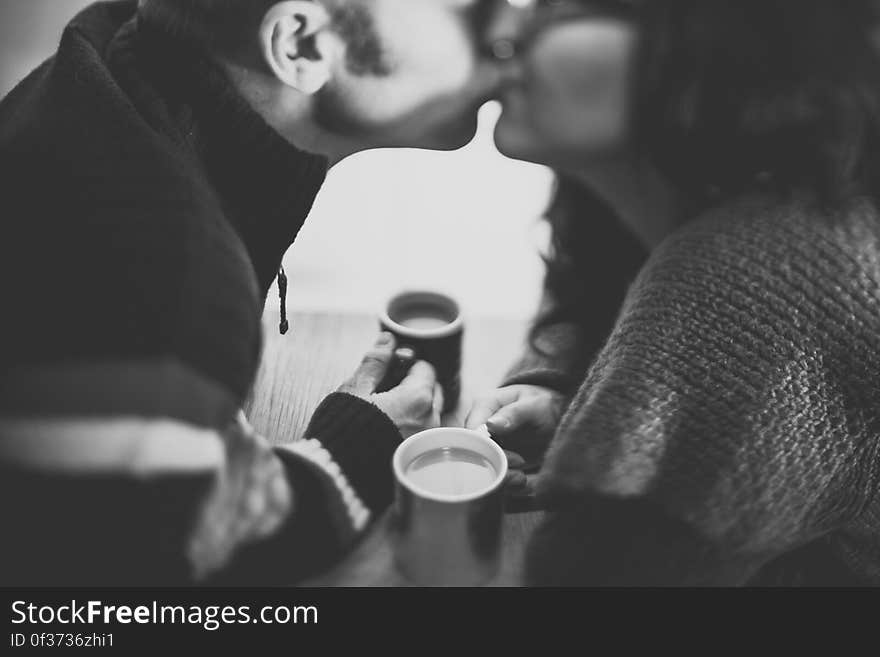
<point>321,351</point>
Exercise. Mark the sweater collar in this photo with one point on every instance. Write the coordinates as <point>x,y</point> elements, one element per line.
<point>265,184</point>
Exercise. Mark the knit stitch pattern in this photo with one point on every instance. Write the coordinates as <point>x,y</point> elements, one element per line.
<point>736,404</point>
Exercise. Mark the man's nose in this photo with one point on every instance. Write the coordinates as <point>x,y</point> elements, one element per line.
<point>505,27</point>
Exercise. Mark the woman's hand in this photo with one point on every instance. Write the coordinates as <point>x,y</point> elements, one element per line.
<point>415,404</point>
<point>521,418</point>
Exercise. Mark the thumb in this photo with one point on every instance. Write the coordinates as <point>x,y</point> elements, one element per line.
<point>511,417</point>
<point>373,367</point>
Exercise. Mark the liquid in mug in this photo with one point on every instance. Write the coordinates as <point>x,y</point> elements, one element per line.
<point>422,318</point>
<point>451,471</point>
<point>424,323</point>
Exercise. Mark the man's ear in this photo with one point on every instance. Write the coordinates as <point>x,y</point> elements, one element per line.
<point>293,44</point>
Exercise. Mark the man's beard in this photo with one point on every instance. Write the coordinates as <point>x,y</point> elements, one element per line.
<point>449,129</point>
<point>366,56</point>
<point>337,113</point>
<point>334,113</point>
<point>365,52</point>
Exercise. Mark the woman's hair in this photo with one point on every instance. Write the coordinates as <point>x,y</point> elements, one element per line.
<point>734,94</point>
<point>727,90</point>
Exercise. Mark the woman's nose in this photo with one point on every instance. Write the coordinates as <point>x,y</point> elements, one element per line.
<point>506,26</point>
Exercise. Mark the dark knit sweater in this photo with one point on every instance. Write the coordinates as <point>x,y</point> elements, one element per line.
<point>729,430</point>
<point>146,209</point>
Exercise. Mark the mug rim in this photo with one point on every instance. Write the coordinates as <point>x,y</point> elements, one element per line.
<point>450,329</point>
<point>438,497</point>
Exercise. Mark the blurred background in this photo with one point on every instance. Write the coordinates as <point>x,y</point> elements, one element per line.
<point>465,222</point>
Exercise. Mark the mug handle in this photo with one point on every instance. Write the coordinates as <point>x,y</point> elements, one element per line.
<point>403,360</point>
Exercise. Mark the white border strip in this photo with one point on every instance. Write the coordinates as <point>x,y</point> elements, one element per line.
<point>130,446</point>
<point>313,451</point>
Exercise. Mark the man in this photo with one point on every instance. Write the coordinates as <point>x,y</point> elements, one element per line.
<point>155,171</point>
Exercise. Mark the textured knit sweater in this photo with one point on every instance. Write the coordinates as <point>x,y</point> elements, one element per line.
<point>728,431</point>
<point>145,211</point>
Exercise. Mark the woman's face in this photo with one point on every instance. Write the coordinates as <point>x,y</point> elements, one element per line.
<point>566,96</point>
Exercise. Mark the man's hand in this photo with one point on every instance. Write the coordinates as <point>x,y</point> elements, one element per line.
<point>415,404</point>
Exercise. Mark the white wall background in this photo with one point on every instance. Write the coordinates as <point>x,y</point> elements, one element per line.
<point>464,222</point>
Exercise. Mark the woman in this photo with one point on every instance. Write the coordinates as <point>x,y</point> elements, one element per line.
<point>712,317</point>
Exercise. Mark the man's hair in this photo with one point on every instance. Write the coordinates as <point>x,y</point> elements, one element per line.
<point>210,25</point>
<point>227,25</point>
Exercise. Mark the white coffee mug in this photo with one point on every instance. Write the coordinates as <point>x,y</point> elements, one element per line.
<point>449,507</point>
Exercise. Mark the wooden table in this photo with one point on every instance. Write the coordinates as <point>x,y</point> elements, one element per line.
<point>320,352</point>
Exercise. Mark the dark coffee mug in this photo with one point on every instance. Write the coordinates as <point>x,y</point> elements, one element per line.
<point>431,325</point>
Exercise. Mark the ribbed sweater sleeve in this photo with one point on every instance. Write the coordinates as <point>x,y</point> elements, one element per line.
<point>362,440</point>
<point>730,420</point>
<point>339,480</point>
